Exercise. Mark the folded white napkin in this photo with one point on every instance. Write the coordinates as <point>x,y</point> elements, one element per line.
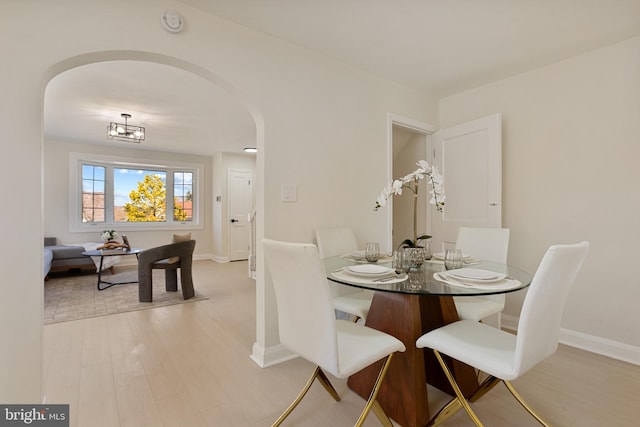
<point>466,261</point>
<point>379,280</point>
<point>440,256</point>
<point>501,285</point>
<point>359,257</point>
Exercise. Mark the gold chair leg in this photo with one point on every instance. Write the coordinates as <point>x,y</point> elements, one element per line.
<point>382,416</point>
<point>459,396</point>
<point>372,402</point>
<point>446,412</point>
<point>486,385</point>
<point>317,373</point>
<point>524,404</point>
<point>322,379</point>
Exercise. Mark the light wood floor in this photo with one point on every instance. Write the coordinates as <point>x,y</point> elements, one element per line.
<point>189,365</point>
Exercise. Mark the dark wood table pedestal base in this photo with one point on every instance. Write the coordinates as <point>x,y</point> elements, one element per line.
<point>403,394</point>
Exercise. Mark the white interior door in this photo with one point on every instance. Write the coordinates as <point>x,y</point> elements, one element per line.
<point>239,202</point>
<point>470,159</point>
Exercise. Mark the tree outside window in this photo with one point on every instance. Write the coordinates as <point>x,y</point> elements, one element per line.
<point>148,203</point>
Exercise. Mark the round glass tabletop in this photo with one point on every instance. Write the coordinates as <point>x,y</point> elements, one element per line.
<point>484,278</point>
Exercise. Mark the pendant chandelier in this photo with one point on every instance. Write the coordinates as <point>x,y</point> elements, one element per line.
<point>125,132</point>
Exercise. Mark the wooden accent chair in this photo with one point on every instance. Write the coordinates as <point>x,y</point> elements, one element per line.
<point>169,258</point>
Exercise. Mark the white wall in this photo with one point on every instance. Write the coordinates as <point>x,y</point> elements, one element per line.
<point>570,173</point>
<point>316,121</point>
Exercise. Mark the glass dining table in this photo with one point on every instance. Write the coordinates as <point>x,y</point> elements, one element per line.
<point>407,306</point>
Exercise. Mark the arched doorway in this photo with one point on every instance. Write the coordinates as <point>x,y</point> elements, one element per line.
<point>185,109</point>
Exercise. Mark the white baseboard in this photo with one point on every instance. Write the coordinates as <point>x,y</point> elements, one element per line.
<point>129,260</point>
<point>265,357</point>
<point>219,259</point>
<point>509,322</point>
<point>603,346</point>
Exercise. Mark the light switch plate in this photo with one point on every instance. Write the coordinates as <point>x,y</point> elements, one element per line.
<point>289,193</point>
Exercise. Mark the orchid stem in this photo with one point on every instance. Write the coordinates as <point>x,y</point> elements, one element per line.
<point>415,216</point>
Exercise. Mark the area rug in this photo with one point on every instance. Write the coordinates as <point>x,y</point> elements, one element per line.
<point>73,296</point>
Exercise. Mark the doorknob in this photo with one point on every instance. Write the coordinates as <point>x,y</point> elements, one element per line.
<point>235,220</point>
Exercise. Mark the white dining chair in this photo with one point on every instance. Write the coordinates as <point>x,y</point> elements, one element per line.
<point>340,241</point>
<point>502,355</point>
<point>308,327</point>
<point>490,244</point>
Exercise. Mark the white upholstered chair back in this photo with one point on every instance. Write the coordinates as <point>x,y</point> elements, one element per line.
<point>336,241</point>
<point>491,244</point>
<point>306,316</point>
<point>539,326</point>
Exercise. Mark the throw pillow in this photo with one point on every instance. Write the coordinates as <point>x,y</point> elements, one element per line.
<point>177,238</point>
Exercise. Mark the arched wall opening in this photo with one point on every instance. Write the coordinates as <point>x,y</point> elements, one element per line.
<point>208,76</point>
<point>198,103</point>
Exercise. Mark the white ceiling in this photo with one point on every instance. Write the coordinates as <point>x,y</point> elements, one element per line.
<point>181,112</point>
<point>440,46</point>
<point>437,46</point>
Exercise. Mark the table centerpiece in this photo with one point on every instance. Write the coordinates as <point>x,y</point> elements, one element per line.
<point>411,182</point>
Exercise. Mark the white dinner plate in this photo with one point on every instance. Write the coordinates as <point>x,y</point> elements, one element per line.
<point>368,270</point>
<point>476,274</point>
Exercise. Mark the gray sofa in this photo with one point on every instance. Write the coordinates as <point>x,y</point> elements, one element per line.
<point>63,257</point>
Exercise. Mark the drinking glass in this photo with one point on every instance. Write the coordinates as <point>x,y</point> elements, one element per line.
<point>372,252</point>
<point>453,259</point>
<point>400,262</point>
<point>427,249</point>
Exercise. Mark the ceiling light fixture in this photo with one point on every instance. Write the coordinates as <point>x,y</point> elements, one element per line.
<point>250,150</point>
<point>125,132</point>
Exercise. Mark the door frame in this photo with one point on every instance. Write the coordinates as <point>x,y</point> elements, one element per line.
<point>417,127</point>
<point>228,213</point>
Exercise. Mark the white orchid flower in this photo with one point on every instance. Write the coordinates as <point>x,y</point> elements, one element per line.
<point>411,182</point>
<point>396,187</point>
<point>423,167</point>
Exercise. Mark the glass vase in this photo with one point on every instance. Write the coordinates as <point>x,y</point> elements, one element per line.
<point>415,256</point>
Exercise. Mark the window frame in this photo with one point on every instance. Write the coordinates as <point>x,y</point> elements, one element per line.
<point>76,161</point>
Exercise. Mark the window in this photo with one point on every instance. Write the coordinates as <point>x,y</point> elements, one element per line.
<point>93,184</point>
<point>183,196</point>
<point>139,195</point>
<point>126,195</point>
